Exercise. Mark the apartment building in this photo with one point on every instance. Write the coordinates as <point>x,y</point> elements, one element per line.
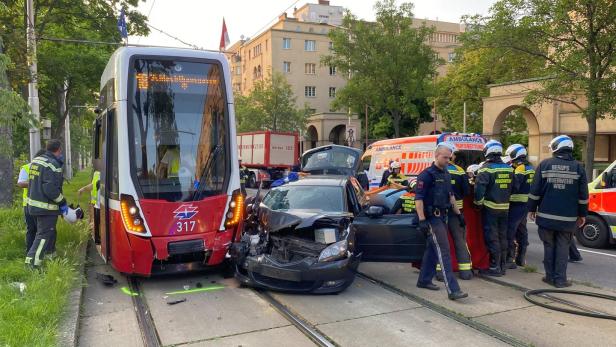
<point>294,45</point>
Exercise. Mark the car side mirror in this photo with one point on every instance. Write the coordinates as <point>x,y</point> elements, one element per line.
<point>374,211</point>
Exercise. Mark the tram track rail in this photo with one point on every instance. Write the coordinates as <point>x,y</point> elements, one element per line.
<point>300,323</point>
<point>147,327</point>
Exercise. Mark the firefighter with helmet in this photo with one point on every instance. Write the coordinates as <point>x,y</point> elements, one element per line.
<point>517,233</point>
<point>492,192</point>
<point>558,202</point>
<point>396,178</point>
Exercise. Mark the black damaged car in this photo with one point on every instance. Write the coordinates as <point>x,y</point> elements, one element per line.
<point>311,234</point>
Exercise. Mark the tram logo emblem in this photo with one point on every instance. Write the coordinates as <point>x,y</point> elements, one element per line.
<point>185,212</point>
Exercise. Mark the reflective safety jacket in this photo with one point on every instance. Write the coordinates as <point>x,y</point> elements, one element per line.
<point>405,203</point>
<point>399,178</point>
<point>523,177</point>
<point>459,183</point>
<point>26,168</point>
<point>559,193</point>
<point>94,192</point>
<point>493,185</point>
<point>45,185</point>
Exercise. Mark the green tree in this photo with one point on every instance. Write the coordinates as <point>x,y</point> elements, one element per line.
<point>468,78</point>
<point>270,106</point>
<point>70,68</point>
<point>391,67</point>
<point>13,111</point>
<point>576,42</point>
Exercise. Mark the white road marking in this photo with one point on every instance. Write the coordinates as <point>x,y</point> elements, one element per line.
<point>595,252</point>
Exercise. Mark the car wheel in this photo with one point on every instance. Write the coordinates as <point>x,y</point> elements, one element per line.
<point>252,181</point>
<point>594,233</point>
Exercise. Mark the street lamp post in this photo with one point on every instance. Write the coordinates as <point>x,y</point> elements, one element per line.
<point>33,99</point>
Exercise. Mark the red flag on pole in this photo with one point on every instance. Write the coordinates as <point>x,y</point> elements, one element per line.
<point>224,36</point>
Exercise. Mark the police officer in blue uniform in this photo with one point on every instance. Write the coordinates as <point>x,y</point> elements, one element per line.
<point>433,199</point>
<point>558,201</point>
<point>492,194</point>
<point>517,233</point>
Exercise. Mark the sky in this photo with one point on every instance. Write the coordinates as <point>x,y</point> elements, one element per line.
<point>199,22</point>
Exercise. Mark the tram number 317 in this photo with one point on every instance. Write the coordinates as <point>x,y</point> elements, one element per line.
<point>185,226</point>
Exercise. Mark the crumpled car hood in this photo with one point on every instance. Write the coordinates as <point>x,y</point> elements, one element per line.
<point>274,221</point>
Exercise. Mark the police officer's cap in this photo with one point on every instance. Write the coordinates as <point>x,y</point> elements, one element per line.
<point>561,142</point>
<point>516,151</point>
<point>493,147</point>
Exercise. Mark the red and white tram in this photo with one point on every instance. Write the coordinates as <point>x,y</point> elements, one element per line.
<point>165,145</point>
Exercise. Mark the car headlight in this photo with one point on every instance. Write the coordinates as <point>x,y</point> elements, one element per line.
<point>335,251</point>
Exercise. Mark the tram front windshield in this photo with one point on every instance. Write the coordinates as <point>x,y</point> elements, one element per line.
<point>178,122</point>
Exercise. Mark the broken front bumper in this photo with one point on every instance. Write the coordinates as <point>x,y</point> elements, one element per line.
<point>305,276</point>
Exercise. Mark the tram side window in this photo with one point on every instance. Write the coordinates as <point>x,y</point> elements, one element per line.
<point>115,184</point>
<point>98,141</point>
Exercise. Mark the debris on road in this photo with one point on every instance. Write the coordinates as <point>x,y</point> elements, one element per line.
<point>106,279</point>
<point>176,301</point>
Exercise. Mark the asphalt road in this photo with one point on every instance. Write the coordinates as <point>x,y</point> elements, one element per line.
<point>597,267</point>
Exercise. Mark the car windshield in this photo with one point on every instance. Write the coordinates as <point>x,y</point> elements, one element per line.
<point>326,199</point>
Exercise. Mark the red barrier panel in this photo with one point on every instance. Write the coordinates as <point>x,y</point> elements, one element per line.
<point>474,238</point>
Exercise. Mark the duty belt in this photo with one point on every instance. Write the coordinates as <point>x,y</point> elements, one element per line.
<point>438,212</point>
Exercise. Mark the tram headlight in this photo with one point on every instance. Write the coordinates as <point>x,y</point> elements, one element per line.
<point>236,206</point>
<point>130,214</point>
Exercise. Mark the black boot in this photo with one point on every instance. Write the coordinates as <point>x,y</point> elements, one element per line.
<point>494,270</point>
<point>520,258</point>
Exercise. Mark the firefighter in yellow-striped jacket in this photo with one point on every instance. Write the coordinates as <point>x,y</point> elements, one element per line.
<point>45,201</point>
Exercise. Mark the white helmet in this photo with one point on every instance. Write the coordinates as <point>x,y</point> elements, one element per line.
<point>472,169</point>
<point>560,142</point>
<point>450,146</point>
<point>516,151</point>
<point>395,165</point>
<point>492,147</point>
<point>70,215</point>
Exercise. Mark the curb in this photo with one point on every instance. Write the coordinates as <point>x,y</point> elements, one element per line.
<point>69,325</point>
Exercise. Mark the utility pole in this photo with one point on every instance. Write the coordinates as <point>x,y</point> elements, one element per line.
<point>464,119</point>
<point>366,144</point>
<point>33,99</point>
<point>68,160</point>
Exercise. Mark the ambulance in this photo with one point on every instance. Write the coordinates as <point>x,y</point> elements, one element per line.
<point>600,228</point>
<point>417,153</point>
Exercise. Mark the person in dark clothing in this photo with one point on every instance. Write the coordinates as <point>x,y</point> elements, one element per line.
<point>558,202</point>
<point>433,199</point>
<point>386,173</point>
<point>45,201</point>
<point>517,233</point>
<point>406,202</point>
<point>22,182</point>
<point>492,194</point>
<point>574,253</point>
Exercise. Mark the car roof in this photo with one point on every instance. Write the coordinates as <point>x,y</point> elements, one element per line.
<point>321,180</point>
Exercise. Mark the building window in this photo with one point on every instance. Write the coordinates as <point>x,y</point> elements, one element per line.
<point>266,45</point>
<point>330,45</point>
<point>286,66</point>
<point>310,69</point>
<point>451,56</point>
<point>286,43</point>
<point>332,92</point>
<point>332,71</point>
<point>259,74</point>
<point>298,28</point>
<point>310,45</point>
<point>310,91</point>
<point>256,50</point>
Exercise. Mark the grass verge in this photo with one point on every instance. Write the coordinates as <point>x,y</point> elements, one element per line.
<point>32,317</point>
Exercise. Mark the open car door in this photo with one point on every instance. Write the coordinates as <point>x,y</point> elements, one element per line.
<point>381,236</point>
